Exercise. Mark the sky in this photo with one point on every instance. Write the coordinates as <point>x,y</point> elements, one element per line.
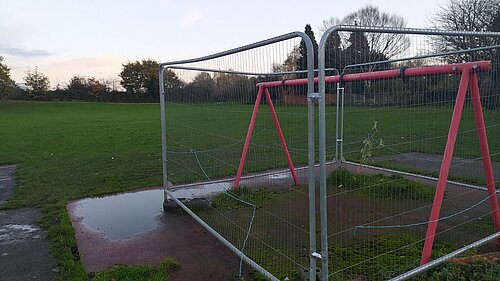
<point>63,38</point>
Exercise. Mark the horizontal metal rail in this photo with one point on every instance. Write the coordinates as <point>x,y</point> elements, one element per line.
<point>416,175</point>
<point>444,258</point>
<point>434,55</point>
<point>207,69</point>
<point>456,68</point>
<point>228,244</point>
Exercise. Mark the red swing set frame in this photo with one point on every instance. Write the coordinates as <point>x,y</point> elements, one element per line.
<point>468,80</point>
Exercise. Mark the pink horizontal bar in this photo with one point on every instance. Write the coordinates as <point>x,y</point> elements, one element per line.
<point>456,68</point>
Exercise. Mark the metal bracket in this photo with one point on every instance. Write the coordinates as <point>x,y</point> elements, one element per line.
<point>316,255</point>
<point>314,96</point>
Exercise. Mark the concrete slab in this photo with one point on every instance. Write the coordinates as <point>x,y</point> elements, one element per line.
<point>6,182</point>
<point>104,240</point>
<point>24,252</point>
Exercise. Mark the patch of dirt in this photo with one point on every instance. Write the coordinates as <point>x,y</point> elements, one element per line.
<point>491,257</point>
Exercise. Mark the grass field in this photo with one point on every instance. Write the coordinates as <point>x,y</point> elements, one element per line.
<point>66,151</point>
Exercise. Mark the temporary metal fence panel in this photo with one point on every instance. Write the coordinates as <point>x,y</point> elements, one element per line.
<point>405,170</point>
<point>238,154</point>
<point>408,150</point>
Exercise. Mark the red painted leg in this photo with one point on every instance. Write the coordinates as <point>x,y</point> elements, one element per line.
<point>445,167</point>
<point>485,152</point>
<point>249,135</point>
<point>282,138</point>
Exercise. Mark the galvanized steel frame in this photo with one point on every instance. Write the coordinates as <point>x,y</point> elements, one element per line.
<point>340,116</point>
<point>311,143</point>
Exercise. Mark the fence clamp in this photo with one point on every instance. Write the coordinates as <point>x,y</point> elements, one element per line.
<point>314,97</point>
<point>316,255</point>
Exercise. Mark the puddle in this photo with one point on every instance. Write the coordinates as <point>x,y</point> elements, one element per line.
<point>201,191</point>
<point>15,233</point>
<point>121,216</point>
<point>279,176</point>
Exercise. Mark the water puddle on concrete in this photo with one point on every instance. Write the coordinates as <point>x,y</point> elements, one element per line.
<point>202,190</point>
<point>121,216</point>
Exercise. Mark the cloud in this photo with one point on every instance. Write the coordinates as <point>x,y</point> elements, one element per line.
<point>23,52</point>
<point>191,17</point>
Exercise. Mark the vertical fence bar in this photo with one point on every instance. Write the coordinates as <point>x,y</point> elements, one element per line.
<point>342,101</point>
<point>485,152</point>
<point>163,130</point>
<point>337,106</point>
<point>311,158</point>
<point>322,155</point>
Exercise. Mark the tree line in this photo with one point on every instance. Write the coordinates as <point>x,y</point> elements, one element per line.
<point>140,78</point>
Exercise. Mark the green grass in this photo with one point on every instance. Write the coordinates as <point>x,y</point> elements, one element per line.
<point>67,151</point>
<point>227,200</point>
<point>415,129</point>
<point>138,273</point>
<point>393,186</point>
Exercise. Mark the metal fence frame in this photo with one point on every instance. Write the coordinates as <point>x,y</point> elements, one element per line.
<point>340,119</point>
<point>311,141</point>
<point>314,256</point>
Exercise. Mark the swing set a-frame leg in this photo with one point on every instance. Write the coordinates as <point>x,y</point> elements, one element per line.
<point>468,79</point>
<point>250,131</point>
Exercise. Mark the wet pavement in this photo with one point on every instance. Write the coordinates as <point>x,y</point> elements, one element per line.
<point>432,163</point>
<point>132,229</point>
<point>24,252</point>
<point>153,236</point>
<point>6,182</point>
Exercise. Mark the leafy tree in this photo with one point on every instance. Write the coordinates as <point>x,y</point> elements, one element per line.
<point>97,87</point>
<point>358,51</point>
<point>302,60</point>
<point>141,77</point>
<point>78,84</point>
<point>36,82</point>
<point>6,83</point>
<point>233,87</point>
<point>204,85</point>
<point>290,63</point>
<point>83,88</point>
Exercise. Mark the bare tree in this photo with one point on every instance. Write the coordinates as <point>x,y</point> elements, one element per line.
<point>468,15</point>
<point>389,45</point>
<point>472,15</point>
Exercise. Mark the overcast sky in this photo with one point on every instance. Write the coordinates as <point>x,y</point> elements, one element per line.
<point>94,37</point>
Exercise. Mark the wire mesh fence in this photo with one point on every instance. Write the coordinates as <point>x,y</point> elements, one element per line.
<point>239,135</point>
<point>245,147</point>
<point>398,93</point>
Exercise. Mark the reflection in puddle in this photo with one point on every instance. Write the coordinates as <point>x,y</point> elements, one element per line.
<point>205,190</point>
<point>121,216</point>
<point>279,176</point>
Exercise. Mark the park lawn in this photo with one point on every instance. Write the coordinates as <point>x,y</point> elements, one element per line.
<point>67,151</point>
